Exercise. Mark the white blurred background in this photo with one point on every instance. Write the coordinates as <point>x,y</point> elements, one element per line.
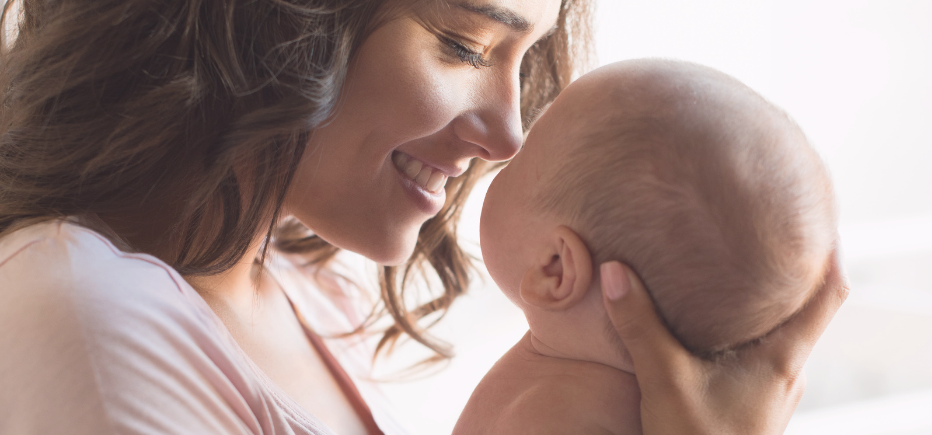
<point>857,76</point>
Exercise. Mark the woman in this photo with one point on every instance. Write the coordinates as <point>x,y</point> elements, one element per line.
<point>153,152</point>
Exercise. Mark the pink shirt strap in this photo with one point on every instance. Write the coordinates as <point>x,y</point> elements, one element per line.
<point>343,380</point>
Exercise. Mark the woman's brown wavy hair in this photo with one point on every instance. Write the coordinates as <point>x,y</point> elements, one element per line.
<point>146,106</point>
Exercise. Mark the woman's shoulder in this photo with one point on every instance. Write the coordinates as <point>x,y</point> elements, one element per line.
<point>68,252</point>
<point>76,319</point>
<point>62,263</point>
<point>106,341</point>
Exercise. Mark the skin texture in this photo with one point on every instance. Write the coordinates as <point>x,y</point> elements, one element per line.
<point>657,156</point>
<point>529,392</point>
<point>408,91</point>
<point>558,377</point>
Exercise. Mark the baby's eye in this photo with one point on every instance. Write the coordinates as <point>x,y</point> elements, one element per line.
<point>465,54</point>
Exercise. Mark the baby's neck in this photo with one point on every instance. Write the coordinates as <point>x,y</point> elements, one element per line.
<point>580,338</point>
<point>535,389</point>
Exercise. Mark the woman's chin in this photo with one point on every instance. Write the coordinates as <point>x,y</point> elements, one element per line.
<point>391,260</point>
<point>381,245</point>
<point>393,254</point>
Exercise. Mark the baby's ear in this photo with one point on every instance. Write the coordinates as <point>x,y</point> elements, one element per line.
<point>562,273</point>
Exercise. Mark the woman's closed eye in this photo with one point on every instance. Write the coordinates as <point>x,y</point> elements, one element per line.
<point>465,54</point>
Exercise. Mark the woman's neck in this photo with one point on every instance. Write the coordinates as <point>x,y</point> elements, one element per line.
<point>235,288</point>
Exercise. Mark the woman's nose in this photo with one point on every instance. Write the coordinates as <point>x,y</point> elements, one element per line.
<point>494,121</point>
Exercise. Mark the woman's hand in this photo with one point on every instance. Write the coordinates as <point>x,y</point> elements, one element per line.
<point>754,394</point>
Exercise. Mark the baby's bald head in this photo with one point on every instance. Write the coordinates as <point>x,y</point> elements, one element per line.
<point>710,193</point>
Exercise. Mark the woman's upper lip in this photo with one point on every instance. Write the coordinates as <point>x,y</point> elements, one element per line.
<point>450,171</point>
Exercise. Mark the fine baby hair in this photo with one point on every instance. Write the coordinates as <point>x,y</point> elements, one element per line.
<point>710,193</point>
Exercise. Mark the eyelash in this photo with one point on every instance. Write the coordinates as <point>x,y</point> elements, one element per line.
<point>465,54</point>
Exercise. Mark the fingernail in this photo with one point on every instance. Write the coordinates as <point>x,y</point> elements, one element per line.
<point>614,284</point>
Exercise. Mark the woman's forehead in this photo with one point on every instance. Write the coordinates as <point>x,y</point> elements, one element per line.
<point>523,16</point>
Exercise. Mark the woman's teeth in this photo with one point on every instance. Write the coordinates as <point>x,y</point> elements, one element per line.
<point>425,176</point>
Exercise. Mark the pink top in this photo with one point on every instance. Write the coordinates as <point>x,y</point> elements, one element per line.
<point>97,341</point>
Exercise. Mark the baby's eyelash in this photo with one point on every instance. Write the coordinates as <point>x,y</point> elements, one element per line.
<point>465,54</point>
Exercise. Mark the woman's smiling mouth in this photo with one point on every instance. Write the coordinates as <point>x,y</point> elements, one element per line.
<point>427,177</point>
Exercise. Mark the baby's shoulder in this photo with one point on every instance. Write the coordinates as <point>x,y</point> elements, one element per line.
<point>532,394</point>
<point>585,399</point>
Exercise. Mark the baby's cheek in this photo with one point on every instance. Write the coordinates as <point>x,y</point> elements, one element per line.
<point>494,251</point>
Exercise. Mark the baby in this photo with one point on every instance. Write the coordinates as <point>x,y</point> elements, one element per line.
<point>708,192</point>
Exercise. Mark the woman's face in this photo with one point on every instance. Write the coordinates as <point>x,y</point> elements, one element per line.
<point>426,93</point>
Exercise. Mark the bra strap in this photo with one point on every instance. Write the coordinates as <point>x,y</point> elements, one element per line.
<point>343,380</point>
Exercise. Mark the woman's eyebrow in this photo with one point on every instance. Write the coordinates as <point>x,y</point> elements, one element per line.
<point>503,15</point>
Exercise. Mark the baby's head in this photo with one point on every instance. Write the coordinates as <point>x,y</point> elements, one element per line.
<point>708,192</point>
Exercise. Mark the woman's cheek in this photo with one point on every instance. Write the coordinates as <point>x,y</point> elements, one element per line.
<point>433,97</point>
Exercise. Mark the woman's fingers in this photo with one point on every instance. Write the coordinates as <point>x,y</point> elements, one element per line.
<point>753,394</point>
<point>632,312</point>
<point>789,346</point>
